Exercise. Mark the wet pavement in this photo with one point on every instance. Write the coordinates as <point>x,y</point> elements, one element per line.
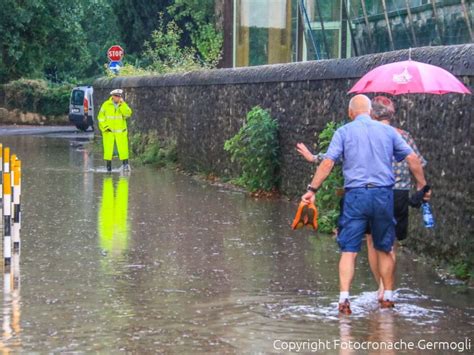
<point>162,262</point>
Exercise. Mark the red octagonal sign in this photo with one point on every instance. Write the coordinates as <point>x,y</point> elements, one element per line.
<point>115,53</point>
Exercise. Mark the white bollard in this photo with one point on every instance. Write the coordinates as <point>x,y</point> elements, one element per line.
<point>7,204</point>
<point>16,212</point>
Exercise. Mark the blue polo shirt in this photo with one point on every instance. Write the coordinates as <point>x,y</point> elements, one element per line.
<point>367,148</point>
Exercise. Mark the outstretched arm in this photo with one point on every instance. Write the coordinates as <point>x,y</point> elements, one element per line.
<point>306,153</point>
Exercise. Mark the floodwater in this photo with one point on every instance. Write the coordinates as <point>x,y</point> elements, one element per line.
<point>162,262</point>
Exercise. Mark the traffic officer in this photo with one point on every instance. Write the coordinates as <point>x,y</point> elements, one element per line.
<point>112,119</point>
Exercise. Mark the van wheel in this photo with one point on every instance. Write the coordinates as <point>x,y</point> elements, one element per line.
<point>82,127</point>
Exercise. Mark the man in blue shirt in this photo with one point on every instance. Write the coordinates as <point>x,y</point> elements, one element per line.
<point>367,148</point>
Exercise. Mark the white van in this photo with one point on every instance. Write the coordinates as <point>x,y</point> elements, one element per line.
<point>81,107</point>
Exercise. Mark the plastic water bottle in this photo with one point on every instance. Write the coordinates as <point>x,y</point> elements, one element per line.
<point>428,218</point>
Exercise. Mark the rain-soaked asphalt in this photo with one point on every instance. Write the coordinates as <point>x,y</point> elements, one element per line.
<point>162,262</point>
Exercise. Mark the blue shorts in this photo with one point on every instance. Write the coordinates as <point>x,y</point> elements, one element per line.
<point>363,208</point>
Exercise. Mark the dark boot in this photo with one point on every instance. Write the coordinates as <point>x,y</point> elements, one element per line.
<point>109,165</point>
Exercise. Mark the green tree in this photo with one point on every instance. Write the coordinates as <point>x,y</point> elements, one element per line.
<point>23,39</point>
<point>100,26</point>
<point>137,19</point>
<point>42,38</point>
<point>67,56</point>
<point>197,18</point>
<point>67,40</point>
<point>163,52</point>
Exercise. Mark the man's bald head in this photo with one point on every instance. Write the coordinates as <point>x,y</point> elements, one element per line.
<point>358,105</point>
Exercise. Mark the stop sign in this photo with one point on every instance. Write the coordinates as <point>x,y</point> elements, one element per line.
<point>115,53</point>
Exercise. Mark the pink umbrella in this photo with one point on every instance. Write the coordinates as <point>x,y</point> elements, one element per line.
<point>409,77</point>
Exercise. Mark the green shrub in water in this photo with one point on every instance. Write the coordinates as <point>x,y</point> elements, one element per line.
<point>255,149</point>
<point>327,198</point>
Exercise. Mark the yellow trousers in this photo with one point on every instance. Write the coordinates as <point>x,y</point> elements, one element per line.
<point>119,138</point>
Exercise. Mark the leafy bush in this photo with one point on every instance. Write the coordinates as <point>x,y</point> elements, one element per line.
<point>149,149</point>
<point>327,197</point>
<point>197,18</point>
<point>208,42</point>
<point>38,96</point>
<point>163,52</point>
<point>461,270</point>
<point>255,148</point>
<point>129,70</point>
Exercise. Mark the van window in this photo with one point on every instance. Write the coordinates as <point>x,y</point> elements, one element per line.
<point>77,97</point>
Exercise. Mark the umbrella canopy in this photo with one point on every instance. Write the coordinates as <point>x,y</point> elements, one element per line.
<point>409,77</point>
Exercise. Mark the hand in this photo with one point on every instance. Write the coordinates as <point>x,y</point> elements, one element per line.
<point>304,151</point>
<point>121,100</point>
<point>308,197</point>
<point>427,196</point>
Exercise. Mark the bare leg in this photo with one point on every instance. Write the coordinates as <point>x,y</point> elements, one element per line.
<point>346,270</point>
<point>393,253</point>
<point>374,265</point>
<point>386,268</point>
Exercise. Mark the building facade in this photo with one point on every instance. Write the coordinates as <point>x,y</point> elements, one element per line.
<point>259,32</point>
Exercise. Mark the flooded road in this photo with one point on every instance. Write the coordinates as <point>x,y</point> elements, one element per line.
<point>161,262</point>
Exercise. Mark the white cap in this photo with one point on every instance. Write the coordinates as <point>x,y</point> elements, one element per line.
<point>117,92</point>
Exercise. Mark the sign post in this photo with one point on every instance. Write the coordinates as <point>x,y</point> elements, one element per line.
<point>115,67</point>
<point>115,55</point>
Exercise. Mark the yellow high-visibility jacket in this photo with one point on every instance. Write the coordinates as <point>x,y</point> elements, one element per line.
<point>113,118</point>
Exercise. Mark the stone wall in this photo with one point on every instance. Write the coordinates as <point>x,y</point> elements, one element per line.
<point>203,109</point>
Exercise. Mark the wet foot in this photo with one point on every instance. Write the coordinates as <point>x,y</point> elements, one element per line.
<point>380,293</point>
<point>345,308</point>
<point>387,304</point>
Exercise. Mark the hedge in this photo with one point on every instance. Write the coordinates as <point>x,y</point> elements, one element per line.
<point>37,96</point>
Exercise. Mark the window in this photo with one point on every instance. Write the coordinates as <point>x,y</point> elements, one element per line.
<point>77,97</point>
<point>264,30</point>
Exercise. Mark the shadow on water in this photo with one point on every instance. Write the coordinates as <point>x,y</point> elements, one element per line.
<point>160,261</point>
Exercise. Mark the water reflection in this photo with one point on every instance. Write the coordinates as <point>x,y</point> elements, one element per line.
<point>380,334</point>
<point>11,312</point>
<point>113,217</point>
<point>345,335</point>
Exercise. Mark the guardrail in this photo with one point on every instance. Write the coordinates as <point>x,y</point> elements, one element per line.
<point>10,187</point>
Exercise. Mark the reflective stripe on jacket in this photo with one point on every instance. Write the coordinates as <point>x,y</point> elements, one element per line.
<point>113,118</point>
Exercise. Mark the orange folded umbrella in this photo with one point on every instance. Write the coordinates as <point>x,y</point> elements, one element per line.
<point>306,215</point>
